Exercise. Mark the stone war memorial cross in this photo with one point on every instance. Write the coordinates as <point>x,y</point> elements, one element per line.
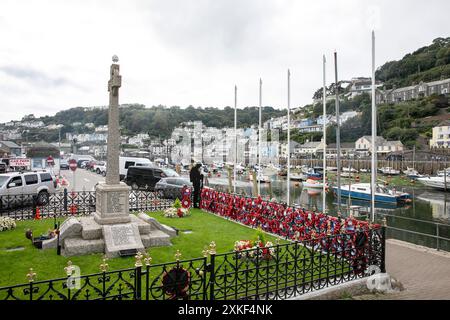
<point>112,229</point>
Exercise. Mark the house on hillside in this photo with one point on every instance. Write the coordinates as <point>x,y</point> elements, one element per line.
<point>309,148</point>
<point>441,136</point>
<point>364,145</point>
<point>423,89</point>
<point>347,149</point>
<point>362,85</point>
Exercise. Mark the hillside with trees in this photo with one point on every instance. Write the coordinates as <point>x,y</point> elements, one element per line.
<point>425,64</point>
<point>157,121</point>
<point>410,122</point>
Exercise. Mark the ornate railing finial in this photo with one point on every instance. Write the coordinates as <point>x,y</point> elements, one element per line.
<point>205,251</point>
<point>178,255</point>
<point>104,266</point>
<point>31,275</point>
<point>138,258</point>
<point>212,248</point>
<point>69,269</point>
<point>147,259</point>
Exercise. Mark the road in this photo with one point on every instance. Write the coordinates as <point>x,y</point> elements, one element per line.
<point>84,180</point>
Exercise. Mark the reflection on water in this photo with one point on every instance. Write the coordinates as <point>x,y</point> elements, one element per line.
<point>427,208</point>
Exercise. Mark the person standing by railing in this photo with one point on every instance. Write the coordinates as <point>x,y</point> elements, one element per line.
<point>197,180</point>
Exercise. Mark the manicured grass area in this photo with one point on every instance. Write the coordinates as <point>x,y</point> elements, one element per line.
<point>14,265</point>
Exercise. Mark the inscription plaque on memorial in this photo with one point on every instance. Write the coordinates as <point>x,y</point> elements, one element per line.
<point>114,203</point>
<point>123,235</point>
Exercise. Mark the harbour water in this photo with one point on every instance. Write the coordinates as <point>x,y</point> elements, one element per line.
<point>424,221</point>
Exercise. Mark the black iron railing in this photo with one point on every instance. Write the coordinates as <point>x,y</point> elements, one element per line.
<point>65,203</point>
<point>281,271</point>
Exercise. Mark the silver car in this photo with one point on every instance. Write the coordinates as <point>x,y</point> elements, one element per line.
<point>170,188</point>
<point>23,188</point>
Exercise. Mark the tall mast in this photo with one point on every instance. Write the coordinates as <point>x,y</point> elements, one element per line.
<point>324,97</point>
<point>288,137</point>
<point>259,135</point>
<point>374,133</point>
<point>338,134</point>
<point>235,137</point>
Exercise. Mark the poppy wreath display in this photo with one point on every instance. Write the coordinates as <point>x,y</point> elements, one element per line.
<point>291,223</point>
<point>175,283</point>
<point>186,201</point>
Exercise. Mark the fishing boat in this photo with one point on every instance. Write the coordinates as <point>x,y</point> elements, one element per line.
<point>412,173</point>
<point>389,171</point>
<point>383,194</point>
<point>439,182</point>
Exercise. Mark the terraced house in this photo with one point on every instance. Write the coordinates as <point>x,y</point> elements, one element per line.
<point>423,89</point>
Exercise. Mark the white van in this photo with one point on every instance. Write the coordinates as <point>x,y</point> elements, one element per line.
<point>125,162</point>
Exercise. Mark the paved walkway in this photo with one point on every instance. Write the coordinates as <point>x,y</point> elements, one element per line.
<point>424,272</point>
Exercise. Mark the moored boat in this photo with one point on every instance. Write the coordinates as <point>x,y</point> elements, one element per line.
<point>439,182</point>
<point>390,171</point>
<point>310,183</point>
<point>362,191</point>
<point>412,173</point>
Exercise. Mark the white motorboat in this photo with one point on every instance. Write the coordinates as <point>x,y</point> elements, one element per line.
<point>440,182</point>
<point>312,184</point>
<point>260,178</point>
<point>390,171</point>
<point>352,170</point>
<point>298,177</point>
<point>441,172</point>
<point>412,173</point>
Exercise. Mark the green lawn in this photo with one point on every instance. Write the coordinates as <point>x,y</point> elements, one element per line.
<point>14,265</point>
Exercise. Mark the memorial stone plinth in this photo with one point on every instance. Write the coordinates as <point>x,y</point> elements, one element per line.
<point>112,203</point>
<point>111,229</point>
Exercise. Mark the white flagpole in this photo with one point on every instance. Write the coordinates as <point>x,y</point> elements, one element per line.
<point>288,138</point>
<point>259,135</point>
<point>338,135</point>
<point>374,132</point>
<point>235,137</point>
<point>324,97</point>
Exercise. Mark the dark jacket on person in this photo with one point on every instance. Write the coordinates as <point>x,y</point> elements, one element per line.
<point>195,176</point>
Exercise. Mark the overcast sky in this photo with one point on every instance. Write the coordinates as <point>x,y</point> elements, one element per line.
<point>55,55</point>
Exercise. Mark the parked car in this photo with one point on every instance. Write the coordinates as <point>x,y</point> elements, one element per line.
<point>90,165</point>
<point>141,177</point>
<point>126,162</point>
<point>170,188</point>
<point>64,164</point>
<point>18,189</point>
<point>100,168</point>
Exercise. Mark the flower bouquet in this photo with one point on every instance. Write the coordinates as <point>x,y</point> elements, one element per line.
<point>7,223</point>
<point>254,250</point>
<point>176,211</point>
